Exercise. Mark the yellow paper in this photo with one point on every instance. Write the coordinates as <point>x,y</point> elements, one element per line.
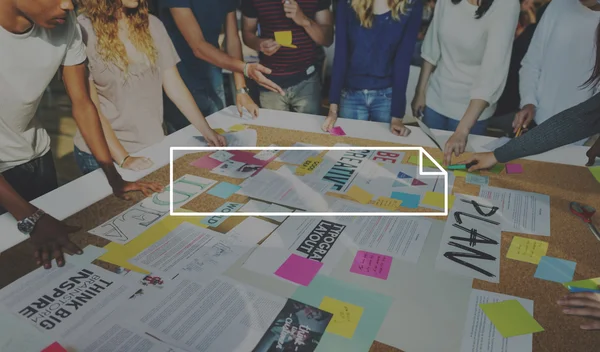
<point>387,203</point>
<point>460,173</point>
<point>345,316</point>
<point>592,284</point>
<point>437,200</point>
<point>309,165</point>
<point>510,318</point>
<point>426,162</point>
<point>284,38</point>
<point>220,130</point>
<point>237,128</point>
<point>526,250</point>
<point>359,195</point>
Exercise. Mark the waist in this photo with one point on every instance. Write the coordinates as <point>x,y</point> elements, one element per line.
<point>361,82</point>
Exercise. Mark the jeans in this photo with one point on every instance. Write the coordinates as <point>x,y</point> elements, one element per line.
<point>304,97</point>
<point>32,179</point>
<point>86,162</point>
<point>438,121</point>
<point>367,105</point>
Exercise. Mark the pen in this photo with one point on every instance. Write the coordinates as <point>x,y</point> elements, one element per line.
<point>579,289</point>
<point>519,131</point>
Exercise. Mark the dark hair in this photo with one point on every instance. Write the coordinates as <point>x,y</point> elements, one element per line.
<point>484,6</point>
<point>594,79</point>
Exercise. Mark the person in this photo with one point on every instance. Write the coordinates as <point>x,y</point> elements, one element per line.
<point>583,304</point>
<point>466,54</point>
<point>295,69</point>
<point>371,66</point>
<point>194,27</point>
<point>131,60</point>
<point>38,37</point>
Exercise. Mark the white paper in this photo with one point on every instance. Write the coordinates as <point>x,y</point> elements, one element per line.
<point>274,208</point>
<point>496,143</point>
<point>236,169</point>
<point>297,157</point>
<point>17,335</point>
<point>480,335</point>
<point>429,134</point>
<point>463,253</point>
<point>266,154</point>
<point>524,212</point>
<point>221,155</point>
<point>245,138</point>
<point>254,206</point>
<point>137,219</point>
<point>251,231</point>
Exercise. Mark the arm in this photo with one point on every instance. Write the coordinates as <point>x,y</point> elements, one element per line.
<point>249,29</point>
<point>340,58</point>
<point>320,29</point>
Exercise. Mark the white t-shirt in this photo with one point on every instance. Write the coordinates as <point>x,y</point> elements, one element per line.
<point>28,62</point>
<point>560,59</point>
<point>471,55</point>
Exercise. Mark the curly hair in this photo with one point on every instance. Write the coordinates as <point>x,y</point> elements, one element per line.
<point>104,15</point>
<point>364,10</point>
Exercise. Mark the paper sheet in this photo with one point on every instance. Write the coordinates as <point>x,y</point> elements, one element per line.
<point>17,335</point>
<point>429,134</point>
<point>346,316</point>
<point>524,212</point>
<point>216,220</point>
<point>251,231</point>
<point>480,335</point>
<point>274,208</point>
<point>241,165</point>
<point>297,157</point>
<point>510,318</point>
<point>527,250</point>
<point>137,219</point>
<point>496,143</point>
<point>245,138</point>
<point>477,180</point>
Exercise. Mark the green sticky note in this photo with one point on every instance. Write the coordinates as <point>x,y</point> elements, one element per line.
<point>374,309</point>
<point>510,318</point>
<point>592,284</point>
<point>595,170</point>
<point>497,168</point>
<point>426,162</point>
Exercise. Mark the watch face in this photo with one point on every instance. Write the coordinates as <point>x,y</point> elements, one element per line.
<point>25,226</point>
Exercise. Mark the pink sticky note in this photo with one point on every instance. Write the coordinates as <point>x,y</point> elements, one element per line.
<point>206,162</point>
<point>514,168</point>
<point>55,347</point>
<point>299,270</point>
<point>372,264</point>
<point>337,131</point>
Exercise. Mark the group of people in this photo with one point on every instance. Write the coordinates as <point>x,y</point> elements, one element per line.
<point>132,76</point>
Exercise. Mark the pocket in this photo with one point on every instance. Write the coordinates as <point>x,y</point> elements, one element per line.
<point>386,93</point>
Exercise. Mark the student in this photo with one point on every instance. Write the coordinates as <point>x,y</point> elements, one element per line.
<point>466,55</point>
<point>294,69</point>
<point>194,27</point>
<point>131,61</point>
<point>583,304</point>
<point>37,38</point>
<point>375,40</point>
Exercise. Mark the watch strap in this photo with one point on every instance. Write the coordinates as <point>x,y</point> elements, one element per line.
<point>242,90</point>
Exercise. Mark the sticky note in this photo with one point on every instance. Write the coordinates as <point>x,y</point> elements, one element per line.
<point>346,316</point>
<point>408,200</point>
<point>387,203</point>
<point>221,155</point>
<point>526,250</point>
<point>514,168</point>
<point>299,270</point>
<point>414,159</point>
<point>460,173</point>
<point>372,264</point>
<point>592,284</point>
<point>284,38</point>
<point>206,162</point>
<point>555,269</point>
<point>436,200</point>
<point>359,194</point>
<point>497,168</point>
<point>510,318</point>
<point>55,347</point>
<point>223,190</point>
<point>477,180</point>
<point>237,128</point>
<point>309,165</point>
<point>337,131</point>
<point>220,130</point>
<point>595,170</point>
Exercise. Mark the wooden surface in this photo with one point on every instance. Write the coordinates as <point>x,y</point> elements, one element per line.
<point>570,238</point>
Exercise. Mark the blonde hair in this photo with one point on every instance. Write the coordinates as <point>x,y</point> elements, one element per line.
<point>364,10</point>
<point>104,15</point>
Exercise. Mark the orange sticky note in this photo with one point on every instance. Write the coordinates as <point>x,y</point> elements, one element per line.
<point>359,195</point>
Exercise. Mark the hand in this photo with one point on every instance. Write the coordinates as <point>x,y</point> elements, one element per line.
<point>213,138</point>
<point>294,12</point>
<point>482,160</point>
<point>329,122</point>
<point>524,117</point>
<point>583,304</point>
<point>418,104</point>
<point>50,238</point>
<point>593,153</point>
<point>244,101</point>
<point>137,163</point>
<point>456,144</point>
<point>398,128</point>
<point>257,72</point>
<point>269,46</point>
<point>121,188</point>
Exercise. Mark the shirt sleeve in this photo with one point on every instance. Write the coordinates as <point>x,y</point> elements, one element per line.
<point>167,55</point>
<point>403,57</point>
<point>169,4</point>
<point>491,79</point>
<point>569,126</point>
<point>324,5</point>
<point>431,50</point>
<point>340,58</point>
<point>248,9</point>
<point>75,47</point>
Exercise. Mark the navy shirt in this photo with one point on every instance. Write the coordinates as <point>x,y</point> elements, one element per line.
<point>210,15</point>
<point>377,57</point>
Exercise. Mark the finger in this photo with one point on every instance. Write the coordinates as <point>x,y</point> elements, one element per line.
<point>595,325</point>
<point>46,257</point>
<point>395,131</point>
<point>37,256</point>
<point>265,70</point>
<point>583,312</point>
<point>146,191</point>
<point>580,302</point>
<point>591,160</point>
<point>240,110</point>
<point>71,247</point>
<point>447,155</point>
<point>58,255</point>
<point>254,111</point>
<point>578,295</point>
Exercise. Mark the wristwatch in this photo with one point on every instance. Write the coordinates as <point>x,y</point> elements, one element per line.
<point>27,225</point>
<point>242,90</point>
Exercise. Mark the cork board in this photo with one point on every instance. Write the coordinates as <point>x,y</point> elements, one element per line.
<point>570,238</point>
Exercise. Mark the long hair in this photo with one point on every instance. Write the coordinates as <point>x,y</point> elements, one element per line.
<point>594,79</point>
<point>364,10</point>
<point>483,6</point>
<point>104,15</point>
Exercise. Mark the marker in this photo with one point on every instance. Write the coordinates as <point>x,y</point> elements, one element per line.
<point>518,131</point>
<point>574,289</point>
<point>461,166</point>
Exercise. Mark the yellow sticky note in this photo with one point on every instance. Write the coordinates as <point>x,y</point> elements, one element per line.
<point>526,250</point>
<point>387,203</point>
<point>220,131</point>
<point>592,284</point>
<point>345,316</point>
<point>309,165</point>
<point>436,200</point>
<point>284,38</point>
<point>426,162</point>
<point>510,318</point>
<point>237,128</point>
<point>359,194</point>
<point>460,173</point>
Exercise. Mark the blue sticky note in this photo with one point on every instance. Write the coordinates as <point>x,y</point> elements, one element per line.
<point>214,221</point>
<point>224,190</point>
<point>555,269</point>
<point>408,200</point>
<point>375,307</point>
<point>477,180</point>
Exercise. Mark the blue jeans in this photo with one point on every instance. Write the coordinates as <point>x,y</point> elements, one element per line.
<point>367,105</point>
<point>85,161</point>
<point>435,120</point>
